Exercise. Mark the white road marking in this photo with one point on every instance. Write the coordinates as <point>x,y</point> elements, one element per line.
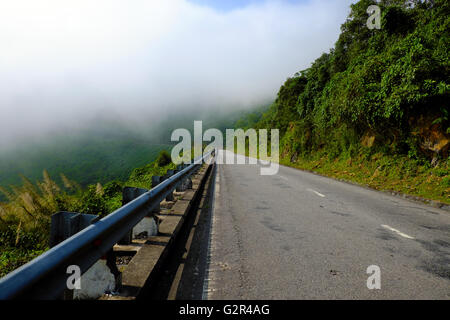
<point>318,193</point>
<point>282,177</point>
<point>404,235</point>
<point>209,281</point>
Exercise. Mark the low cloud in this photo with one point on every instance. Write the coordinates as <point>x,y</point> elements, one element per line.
<point>63,63</point>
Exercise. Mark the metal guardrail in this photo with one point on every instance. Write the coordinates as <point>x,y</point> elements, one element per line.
<point>45,277</point>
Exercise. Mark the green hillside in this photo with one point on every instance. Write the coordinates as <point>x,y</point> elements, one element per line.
<point>25,217</point>
<point>375,108</point>
<point>82,171</point>
<point>86,161</point>
<point>101,151</point>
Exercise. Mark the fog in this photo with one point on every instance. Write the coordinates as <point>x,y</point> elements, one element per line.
<point>64,63</point>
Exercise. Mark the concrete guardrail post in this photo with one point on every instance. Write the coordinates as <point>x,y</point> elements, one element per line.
<point>155,181</point>
<point>100,278</point>
<point>186,183</point>
<point>168,174</point>
<point>66,224</point>
<point>180,186</point>
<point>147,226</point>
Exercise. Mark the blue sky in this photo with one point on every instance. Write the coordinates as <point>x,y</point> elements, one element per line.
<point>229,5</point>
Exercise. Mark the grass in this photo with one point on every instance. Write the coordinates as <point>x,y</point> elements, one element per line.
<point>25,216</point>
<point>86,162</point>
<point>384,173</point>
<point>12,258</point>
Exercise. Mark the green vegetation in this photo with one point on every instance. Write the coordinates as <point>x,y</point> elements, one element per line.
<point>86,160</point>
<point>25,217</point>
<point>384,172</point>
<point>100,158</point>
<point>163,159</point>
<point>375,108</point>
<point>101,151</point>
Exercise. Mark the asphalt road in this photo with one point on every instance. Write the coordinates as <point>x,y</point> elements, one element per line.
<point>296,235</point>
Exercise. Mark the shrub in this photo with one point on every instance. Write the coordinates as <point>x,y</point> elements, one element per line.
<point>163,159</point>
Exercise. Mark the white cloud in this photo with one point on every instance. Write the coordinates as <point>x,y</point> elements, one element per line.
<point>61,62</point>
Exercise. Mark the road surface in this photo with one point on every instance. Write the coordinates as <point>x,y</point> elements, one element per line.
<point>296,235</point>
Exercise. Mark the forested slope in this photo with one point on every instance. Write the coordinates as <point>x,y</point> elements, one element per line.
<point>375,108</point>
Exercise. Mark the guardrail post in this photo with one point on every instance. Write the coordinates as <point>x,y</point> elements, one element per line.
<point>129,194</point>
<point>185,183</point>
<point>65,224</point>
<point>168,174</point>
<point>180,187</point>
<point>103,275</point>
<point>188,183</point>
<point>155,181</point>
<point>148,226</point>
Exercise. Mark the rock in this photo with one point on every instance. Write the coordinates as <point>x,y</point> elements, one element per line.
<point>433,139</point>
<point>368,140</point>
<point>95,282</point>
<point>294,157</point>
<point>434,161</point>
